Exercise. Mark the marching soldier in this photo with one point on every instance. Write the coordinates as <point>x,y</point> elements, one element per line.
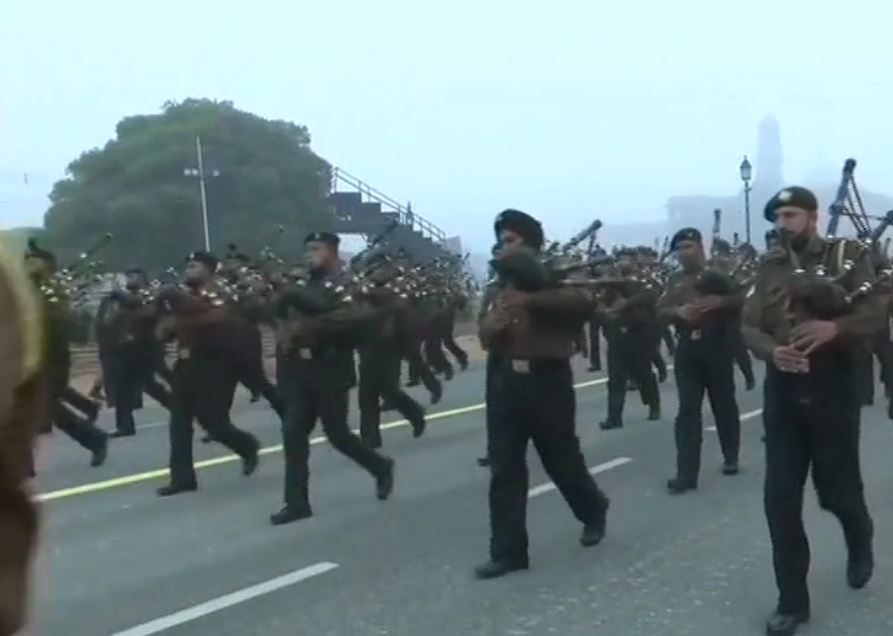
<point>532,398</point>
<point>811,408</point>
<point>317,356</point>
<point>22,405</point>
<point>706,320</point>
<point>205,374</point>
<point>380,360</point>
<point>629,318</point>
<point>129,352</point>
<point>41,267</point>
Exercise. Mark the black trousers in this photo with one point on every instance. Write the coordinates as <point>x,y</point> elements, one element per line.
<point>203,387</point>
<point>77,427</point>
<point>538,406</point>
<point>419,369</point>
<point>380,378</point>
<point>72,413</point>
<point>811,421</point>
<point>136,374</point>
<point>704,365</point>
<point>449,340</point>
<point>434,355</point>
<point>317,389</point>
<point>251,370</point>
<point>630,355</point>
<point>743,359</point>
<point>595,345</point>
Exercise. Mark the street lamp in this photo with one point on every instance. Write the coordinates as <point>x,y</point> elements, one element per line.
<point>746,171</point>
<point>201,175</point>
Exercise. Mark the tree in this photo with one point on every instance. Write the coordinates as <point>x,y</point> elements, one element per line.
<point>135,188</point>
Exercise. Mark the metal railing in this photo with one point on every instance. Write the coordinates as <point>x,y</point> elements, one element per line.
<point>405,215</point>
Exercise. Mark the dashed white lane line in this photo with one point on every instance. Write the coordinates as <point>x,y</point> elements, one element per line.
<point>595,470</point>
<point>744,416</point>
<point>222,602</point>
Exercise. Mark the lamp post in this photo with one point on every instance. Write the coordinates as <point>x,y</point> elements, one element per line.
<point>200,173</point>
<point>746,171</point>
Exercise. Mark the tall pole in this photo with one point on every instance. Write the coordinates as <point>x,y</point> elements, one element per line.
<point>201,185</point>
<point>747,208</point>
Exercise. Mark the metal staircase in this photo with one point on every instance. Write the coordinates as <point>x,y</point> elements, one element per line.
<point>361,209</point>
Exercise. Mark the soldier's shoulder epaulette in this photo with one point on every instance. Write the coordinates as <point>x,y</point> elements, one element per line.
<point>775,255</point>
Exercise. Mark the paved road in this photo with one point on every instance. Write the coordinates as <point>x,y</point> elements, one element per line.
<point>116,560</point>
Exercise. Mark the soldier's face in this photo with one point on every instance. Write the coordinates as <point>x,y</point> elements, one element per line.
<point>320,255</point>
<point>508,238</point>
<point>796,221</point>
<point>689,252</point>
<point>196,272</point>
<point>134,280</point>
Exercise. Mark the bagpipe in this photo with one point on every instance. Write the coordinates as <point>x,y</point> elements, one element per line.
<point>527,270</point>
<point>72,283</point>
<point>826,292</point>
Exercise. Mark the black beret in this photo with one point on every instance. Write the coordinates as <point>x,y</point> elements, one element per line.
<point>205,258</point>
<point>36,252</point>
<point>795,196</point>
<point>686,234</point>
<point>333,240</point>
<point>527,227</point>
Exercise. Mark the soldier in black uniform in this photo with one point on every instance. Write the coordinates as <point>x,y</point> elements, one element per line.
<point>315,381</point>
<point>532,398</point>
<point>629,317</point>
<point>41,266</point>
<point>130,354</point>
<point>205,374</point>
<point>704,306</point>
<point>382,356</point>
<point>811,399</point>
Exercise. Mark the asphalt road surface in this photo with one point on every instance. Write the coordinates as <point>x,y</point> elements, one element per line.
<point>118,561</point>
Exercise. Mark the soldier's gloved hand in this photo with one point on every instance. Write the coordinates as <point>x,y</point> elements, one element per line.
<point>790,360</point>
<point>812,334</point>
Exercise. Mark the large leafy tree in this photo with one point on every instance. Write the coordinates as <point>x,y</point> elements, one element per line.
<point>135,187</point>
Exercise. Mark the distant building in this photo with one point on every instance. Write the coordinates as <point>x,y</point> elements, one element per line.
<point>697,210</point>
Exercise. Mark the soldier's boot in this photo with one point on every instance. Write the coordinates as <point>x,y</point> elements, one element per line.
<point>495,569</point>
<point>290,514</point>
<point>780,624</point>
<point>384,483</point>
<point>860,560</point>
<point>176,489</point>
<point>654,413</point>
<point>100,453</point>
<point>610,424</point>
<point>678,485</point>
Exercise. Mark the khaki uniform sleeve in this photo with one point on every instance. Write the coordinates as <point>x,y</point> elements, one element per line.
<point>869,312</point>
<point>21,400</point>
<point>760,342</point>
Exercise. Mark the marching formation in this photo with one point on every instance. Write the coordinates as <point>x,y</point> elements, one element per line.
<point>812,308</point>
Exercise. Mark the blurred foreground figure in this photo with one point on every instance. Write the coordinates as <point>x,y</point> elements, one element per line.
<point>21,403</point>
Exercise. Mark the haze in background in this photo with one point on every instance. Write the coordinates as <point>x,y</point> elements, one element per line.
<point>567,109</point>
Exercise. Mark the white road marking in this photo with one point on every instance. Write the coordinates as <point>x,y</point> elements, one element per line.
<point>595,470</point>
<point>228,600</point>
<point>744,416</point>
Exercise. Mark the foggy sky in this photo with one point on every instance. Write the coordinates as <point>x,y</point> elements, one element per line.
<point>567,109</point>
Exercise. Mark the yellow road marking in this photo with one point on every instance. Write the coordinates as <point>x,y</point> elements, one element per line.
<point>136,478</point>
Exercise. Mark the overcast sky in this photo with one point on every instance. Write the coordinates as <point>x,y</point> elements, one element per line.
<point>566,108</point>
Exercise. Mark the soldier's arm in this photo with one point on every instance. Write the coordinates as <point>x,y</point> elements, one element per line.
<point>567,302</point>
<point>869,312</point>
<point>669,301</point>
<point>761,343</point>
